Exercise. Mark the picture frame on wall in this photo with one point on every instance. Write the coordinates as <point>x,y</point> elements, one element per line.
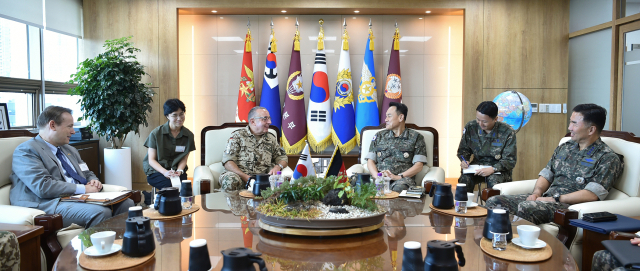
<point>4,117</point>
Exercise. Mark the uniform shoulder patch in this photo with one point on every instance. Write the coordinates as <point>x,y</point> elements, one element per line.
<point>464,130</point>
<point>374,137</point>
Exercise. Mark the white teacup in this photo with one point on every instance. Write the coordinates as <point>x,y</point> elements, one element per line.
<point>470,198</point>
<point>528,234</point>
<point>103,241</point>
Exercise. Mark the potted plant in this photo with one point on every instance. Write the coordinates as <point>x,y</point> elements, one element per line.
<point>115,102</point>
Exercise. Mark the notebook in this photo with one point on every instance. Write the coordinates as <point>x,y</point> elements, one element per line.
<point>473,168</point>
<point>623,223</point>
<point>100,198</point>
<point>626,253</point>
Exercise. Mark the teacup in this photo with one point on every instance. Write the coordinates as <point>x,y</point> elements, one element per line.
<point>470,197</point>
<point>103,241</point>
<point>528,234</point>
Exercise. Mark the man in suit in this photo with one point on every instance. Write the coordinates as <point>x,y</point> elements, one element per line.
<point>46,167</point>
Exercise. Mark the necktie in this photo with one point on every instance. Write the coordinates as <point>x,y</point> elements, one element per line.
<point>70,171</point>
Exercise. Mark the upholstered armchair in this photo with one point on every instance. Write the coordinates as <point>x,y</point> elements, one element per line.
<point>54,239</point>
<point>431,172</point>
<point>623,198</point>
<point>214,141</point>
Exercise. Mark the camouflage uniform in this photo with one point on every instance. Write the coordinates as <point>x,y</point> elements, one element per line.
<point>570,169</point>
<point>9,251</point>
<point>253,155</point>
<point>398,154</point>
<point>603,260</point>
<point>497,149</point>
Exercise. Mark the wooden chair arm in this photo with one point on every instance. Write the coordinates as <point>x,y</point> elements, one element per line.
<point>618,235</point>
<point>136,196</point>
<point>566,232</point>
<point>205,187</point>
<point>489,192</point>
<point>427,186</point>
<point>51,223</point>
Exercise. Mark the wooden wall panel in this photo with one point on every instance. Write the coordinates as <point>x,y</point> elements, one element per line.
<point>526,44</point>
<point>541,135</point>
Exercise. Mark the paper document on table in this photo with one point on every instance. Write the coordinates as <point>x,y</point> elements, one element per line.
<point>176,182</point>
<point>102,195</point>
<point>473,168</point>
<point>100,198</point>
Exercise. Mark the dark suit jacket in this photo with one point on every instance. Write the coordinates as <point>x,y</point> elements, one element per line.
<point>37,180</point>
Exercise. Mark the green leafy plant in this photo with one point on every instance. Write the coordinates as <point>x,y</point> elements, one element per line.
<point>114,100</point>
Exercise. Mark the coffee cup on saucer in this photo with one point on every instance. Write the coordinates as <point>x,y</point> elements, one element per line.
<point>470,197</point>
<point>528,234</point>
<point>103,241</point>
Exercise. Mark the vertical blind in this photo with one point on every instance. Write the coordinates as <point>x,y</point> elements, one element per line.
<point>62,16</point>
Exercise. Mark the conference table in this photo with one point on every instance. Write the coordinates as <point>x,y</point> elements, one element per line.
<point>227,220</point>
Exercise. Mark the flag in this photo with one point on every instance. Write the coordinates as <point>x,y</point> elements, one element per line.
<point>294,122</point>
<point>336,165</point>
<point>367,103</point>
<point>270,97</point>
<point>304,167</point>
<point>393,88</point>
<point>247,235</point>
<point>343,124</point>
<point>246,94</point>
<point>319,114</point>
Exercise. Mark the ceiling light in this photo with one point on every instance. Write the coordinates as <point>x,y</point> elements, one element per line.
<point>284,11</point>
<point>428,11</point>
<point>356,11</point>
<point>419,18</point>
<point>214,11</point>
<point>221,17</point>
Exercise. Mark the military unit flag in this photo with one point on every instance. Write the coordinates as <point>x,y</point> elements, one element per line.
<point>270,97</point>
<point>367,103</point>
<point>294,122</point>
<point>393,88</point>
<point>343,130</point>
<point>304,167</point>
<point>246,93</point>
<point>319,114</point>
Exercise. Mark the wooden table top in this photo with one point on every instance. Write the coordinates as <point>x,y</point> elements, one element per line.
<point>228,221</point>
<point>22,232</point>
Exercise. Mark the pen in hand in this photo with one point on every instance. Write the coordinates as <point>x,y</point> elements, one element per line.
<point>464,161</point>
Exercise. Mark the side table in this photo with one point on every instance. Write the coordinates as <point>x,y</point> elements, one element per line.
<point>29,239</point>
<point>592,242</point>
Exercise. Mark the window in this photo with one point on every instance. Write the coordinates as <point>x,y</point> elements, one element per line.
<point>60,56</point>
<point>69,101</point>
<point>13,49</point>
<point>20,106</point>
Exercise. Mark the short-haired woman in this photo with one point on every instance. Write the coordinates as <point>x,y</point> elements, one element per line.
<point>169,147</point>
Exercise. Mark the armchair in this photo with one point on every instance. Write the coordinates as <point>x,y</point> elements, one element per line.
<point>623,198</point>
<point>431,172</point>
<point>54,239</point>
<point>214,141</point>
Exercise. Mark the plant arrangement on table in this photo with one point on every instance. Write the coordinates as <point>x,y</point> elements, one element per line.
<point>312,197</point>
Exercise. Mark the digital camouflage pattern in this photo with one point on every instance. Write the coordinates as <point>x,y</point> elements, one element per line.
<point>570,169</point>
<point>398,154</point>
<point>497,148</point>
<point>252,155</point>
<point>9,251</point>
<point>603,260</point>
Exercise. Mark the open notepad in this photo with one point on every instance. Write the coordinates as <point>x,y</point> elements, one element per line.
<point>473,168</point>
<point>100,198</point>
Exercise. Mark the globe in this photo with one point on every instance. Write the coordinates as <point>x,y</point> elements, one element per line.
<point>513,108</point>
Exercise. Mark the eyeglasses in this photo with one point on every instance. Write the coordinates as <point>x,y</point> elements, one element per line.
<point>175,116</point>
<point>265,119</point>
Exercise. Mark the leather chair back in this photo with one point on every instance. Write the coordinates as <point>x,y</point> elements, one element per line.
<point>8,145</point>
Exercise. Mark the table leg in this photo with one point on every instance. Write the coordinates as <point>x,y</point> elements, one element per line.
<point>591,242</point>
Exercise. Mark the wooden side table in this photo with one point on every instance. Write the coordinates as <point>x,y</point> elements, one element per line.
<point>592,242</point>
<point>29,240</point>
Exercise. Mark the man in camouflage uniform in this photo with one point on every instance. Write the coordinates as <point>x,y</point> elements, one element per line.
<point>399,153</point>
<point>251,150</point>
<point>492,143</point>
<point>580,170</point>
<point>9,251</point>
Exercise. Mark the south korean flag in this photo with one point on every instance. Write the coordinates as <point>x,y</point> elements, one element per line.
<point>304,167</point>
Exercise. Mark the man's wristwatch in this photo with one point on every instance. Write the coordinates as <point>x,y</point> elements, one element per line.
<point>495,169</point>
<point>279,166</point>
<point>556,197</point>
<point>400,175</point>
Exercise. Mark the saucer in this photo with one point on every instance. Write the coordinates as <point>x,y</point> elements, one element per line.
<point>472,204</point>
<point>539,243</point>
<point>92,251</point>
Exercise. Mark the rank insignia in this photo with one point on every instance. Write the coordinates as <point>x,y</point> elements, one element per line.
<point>498,156</point>
<point>580,180</point>
<point>406,155</point>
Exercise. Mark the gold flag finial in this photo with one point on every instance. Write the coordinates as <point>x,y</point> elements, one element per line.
<point>296,38</point>
<point>247,46</point>
<point>321,36</point>
<point>273,46</point>
<point>371,37</point>
<point>396,39</point>
<point>345,36</point>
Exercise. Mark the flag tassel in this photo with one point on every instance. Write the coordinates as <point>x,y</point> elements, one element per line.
<point>396,40</point>
<point>346,147</point>
<point>316,145</point>
<point>371,37</point>
<point>296,41</point>
<point>274,46</point>
<point>295,148</point>
<point>247,43</point>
